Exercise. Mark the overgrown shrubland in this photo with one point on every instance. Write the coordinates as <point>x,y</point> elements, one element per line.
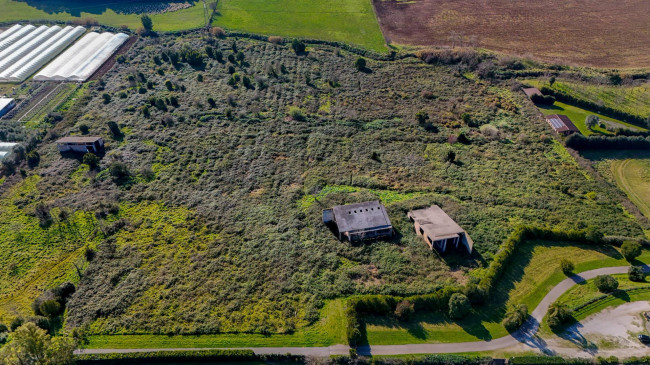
<point>206,209</point>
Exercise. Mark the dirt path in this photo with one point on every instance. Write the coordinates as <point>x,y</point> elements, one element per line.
<point>526,336</point>
<point>611,332</point>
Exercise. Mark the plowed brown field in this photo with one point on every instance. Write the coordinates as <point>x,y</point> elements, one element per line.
<point>603,33</point>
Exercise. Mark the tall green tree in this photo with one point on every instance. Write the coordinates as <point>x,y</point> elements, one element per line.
<point>147,23</point>
<point>32,345</point>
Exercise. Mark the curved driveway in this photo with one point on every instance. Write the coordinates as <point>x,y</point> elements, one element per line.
<point>526,334</point>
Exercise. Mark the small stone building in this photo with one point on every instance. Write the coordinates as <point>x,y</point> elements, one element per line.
<point>78,144</point>
<point>530,91</point>
<point>561,124</point>
<point>439,231</point>
<point>360,221</point>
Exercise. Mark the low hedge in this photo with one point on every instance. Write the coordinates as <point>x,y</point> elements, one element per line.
<point>542,360</point>
<point>166,357</point>
<point>433,359</point>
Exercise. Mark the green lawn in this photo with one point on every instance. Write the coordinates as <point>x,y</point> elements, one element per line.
<point>583,293</point>
<point>630,99</point>
<point>172,21</point>
<point>587,291</point>
<point>329,330</point>
<point>633,177</point>
<point>578,116</point>
<point>347,21</point>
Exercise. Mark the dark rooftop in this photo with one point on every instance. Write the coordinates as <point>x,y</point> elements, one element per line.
<point>530,91</point>
<point>361,216</point>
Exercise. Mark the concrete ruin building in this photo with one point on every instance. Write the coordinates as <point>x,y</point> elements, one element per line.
<point>77,144</point>
<point>360,221</point>
<point>439,231</point>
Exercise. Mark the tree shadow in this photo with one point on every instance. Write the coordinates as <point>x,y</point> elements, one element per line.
<point>75,7</point>
<point>622,295</point>
<point>572,334</point>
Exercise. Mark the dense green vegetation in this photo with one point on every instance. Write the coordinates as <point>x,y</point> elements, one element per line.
<point>350,21</point>
<point>205,212</point>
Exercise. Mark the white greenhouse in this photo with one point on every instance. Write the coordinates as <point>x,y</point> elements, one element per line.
<point>13,38</point>
<point>10,31</point>
<point>6,148</point>
<point>83,59</point>
<point>24,52</point>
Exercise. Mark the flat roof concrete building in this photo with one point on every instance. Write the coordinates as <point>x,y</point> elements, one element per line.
<point>530,91</point>
<point>359,221</point>
<point>439,231</point>
<point>561,124</point>
<point>81,144</point>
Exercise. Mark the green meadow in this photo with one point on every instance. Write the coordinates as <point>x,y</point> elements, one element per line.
<point>348,21</point>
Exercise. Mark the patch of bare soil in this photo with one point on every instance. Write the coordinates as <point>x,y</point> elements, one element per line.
<point>584,32</point>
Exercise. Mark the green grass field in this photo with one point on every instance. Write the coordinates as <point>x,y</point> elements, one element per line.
<point>633,177</point>
<point>630,99</point>
<point>530,277</point>
<point>587,291</point>
<point>347,21</point>
<point>190,18</point>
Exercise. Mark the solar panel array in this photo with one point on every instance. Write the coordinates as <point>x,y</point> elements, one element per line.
<point>556,122</point>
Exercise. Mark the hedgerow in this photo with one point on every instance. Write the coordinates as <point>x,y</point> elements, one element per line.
<point>197,356</point>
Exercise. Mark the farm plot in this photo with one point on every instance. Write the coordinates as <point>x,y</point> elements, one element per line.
<point>349,21</point>
<point>595,33</point>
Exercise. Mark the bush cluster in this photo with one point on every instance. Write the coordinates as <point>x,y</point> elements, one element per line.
<point>606,283</point>
<point>515,317</point>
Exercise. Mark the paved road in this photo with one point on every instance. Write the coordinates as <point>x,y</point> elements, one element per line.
<point>525,335</point>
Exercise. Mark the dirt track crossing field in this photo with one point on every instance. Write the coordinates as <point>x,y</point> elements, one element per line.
<point>585,32</point>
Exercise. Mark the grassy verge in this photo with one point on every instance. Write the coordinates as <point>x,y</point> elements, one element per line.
<point>632,176</point>
<point>531,275</point>
<point>350,21</point>
<point>329,330</point>
<point>189,18</point>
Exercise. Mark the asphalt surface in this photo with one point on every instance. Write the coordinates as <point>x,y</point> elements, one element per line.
<point>525,335</point>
